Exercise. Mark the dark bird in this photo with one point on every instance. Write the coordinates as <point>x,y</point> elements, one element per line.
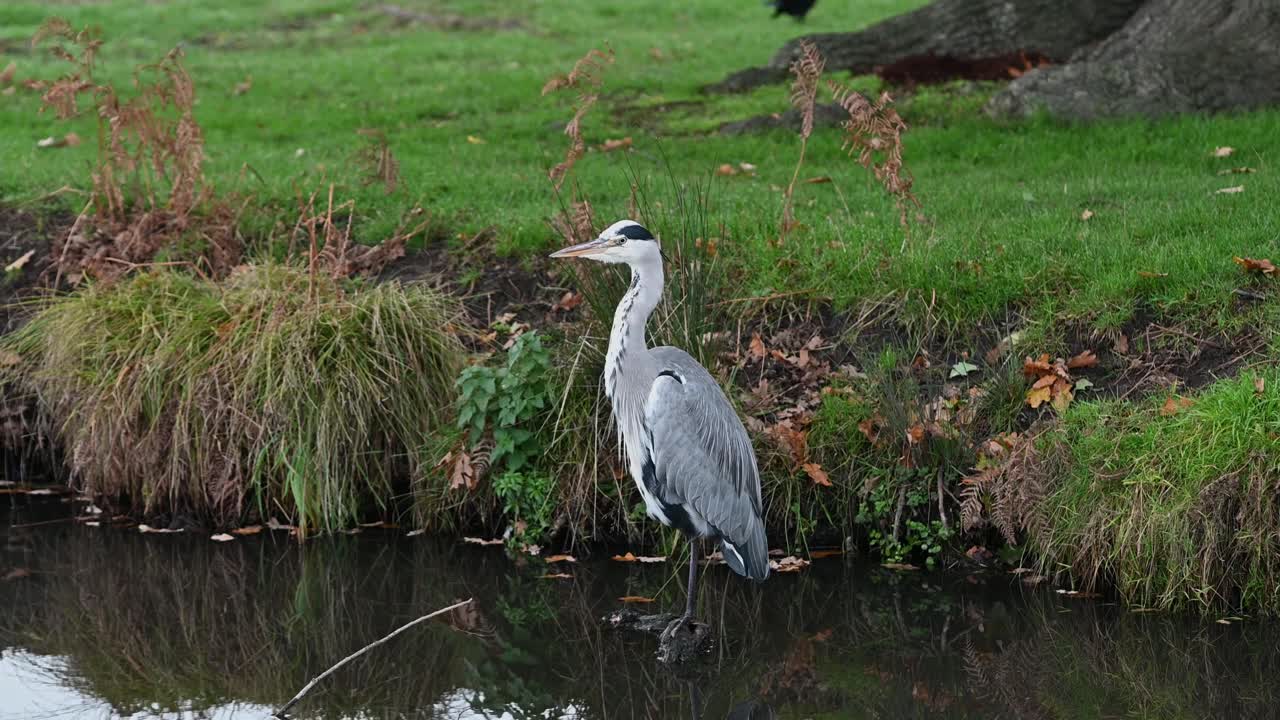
<point>686,448</point>
<point>795,8</point>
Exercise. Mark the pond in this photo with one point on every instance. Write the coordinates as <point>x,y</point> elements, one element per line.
<point>112,623</point>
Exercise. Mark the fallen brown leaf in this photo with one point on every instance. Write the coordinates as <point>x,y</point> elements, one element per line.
<point>1087,214</point>
<point>726,170</point>
<point>561,558</point>
<point>463,474</point>
<point>1174,405</point>
<point>475,140</point>
<point>1259,265</point>
<point>247,530</point>
<point>1223,151</point>
<point>757,347</point>
<point>619,144</point>
<point>629,557</point>
<point>788,564</point>
<point>817,474</point>
<point>1229,190</point>
<point>1259,385</point>
<point>568,301</point>
<point>1086,359</point>
<point>819,180</point>
<point>1121,345</point>
<point>635,599</point>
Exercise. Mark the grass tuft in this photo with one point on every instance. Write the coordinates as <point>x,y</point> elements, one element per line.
<point>1177,506</point>
<point>245,398</point>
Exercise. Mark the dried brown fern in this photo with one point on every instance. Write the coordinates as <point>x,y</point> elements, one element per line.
<point>586,76</point>
<point>874,132</point>
<point>148,181</point>
<point>577,223</point>
<point>807,70</point>
<point>1008,491</point>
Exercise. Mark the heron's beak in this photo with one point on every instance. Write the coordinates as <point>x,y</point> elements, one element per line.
<point>584,249</point>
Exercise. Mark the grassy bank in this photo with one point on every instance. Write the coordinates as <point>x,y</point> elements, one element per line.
<point>883,370</point>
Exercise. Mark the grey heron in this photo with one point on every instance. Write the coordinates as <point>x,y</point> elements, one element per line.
<point>685,446</point>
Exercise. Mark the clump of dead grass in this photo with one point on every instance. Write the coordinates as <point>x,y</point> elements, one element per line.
<point>277,391</point>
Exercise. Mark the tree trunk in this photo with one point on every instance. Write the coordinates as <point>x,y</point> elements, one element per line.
<point>1126,57</point>
<point>1172,56</point>
<point>959,28</point>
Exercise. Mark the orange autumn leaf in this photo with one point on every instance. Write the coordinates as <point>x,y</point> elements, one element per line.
<point>1258,265</point>
<point>757,347</point>
<point>561,558</point>
<point>1174,405</point>
<point>1044,382</point>
<point>817,474</point>
<point>1085,359</point>
<point>915,434</point>
<point>1032,368</point>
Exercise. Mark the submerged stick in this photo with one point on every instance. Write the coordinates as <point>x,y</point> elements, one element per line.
<point>280,714</point>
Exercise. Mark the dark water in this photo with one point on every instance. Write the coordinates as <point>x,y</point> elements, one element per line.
<point>113,623</point>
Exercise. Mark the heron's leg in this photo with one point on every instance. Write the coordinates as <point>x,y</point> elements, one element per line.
<point>693,579</point>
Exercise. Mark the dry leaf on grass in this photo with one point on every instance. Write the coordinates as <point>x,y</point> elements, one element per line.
<point>1258,265</point>
<point>1174,405</point>
<point>1087,214</point>
<point>817,474</point>
<point>620,144</point>
<point>1259,385</point>
<point>1223,151</point>
<point>756,348</point>
<point>568,301</point>
<point>1086,359</point>
<point>1229,190</point>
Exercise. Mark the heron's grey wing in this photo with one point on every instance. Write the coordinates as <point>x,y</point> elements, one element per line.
<point>703,458</point>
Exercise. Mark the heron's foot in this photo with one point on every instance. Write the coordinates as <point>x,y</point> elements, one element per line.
<point>683,640</point>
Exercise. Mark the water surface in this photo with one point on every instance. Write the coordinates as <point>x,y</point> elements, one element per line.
<point>109,623</point>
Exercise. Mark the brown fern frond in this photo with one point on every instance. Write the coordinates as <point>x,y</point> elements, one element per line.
<point>577,224</point>
<point>587,76</point>
<point>874,133</point>
<point>587,71</point>
<point>807,70</point>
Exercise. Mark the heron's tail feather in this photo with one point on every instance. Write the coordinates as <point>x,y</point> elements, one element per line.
<point>749,559</point>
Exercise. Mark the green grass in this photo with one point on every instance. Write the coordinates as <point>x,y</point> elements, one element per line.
<point>1176,509</point>
<point>1004,199</point>
<point>245,399</point>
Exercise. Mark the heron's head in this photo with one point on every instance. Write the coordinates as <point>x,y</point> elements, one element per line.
<point>625,241</point>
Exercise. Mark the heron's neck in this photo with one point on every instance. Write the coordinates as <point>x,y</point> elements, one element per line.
<point>628,364</point>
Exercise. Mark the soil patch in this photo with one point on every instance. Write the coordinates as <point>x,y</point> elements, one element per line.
<point>824,115</point>
<point>23,232</point>
<point>933,69</point>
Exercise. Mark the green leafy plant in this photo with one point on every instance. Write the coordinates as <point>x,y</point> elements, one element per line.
<point>527,500</point>
<point>508,402</point>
